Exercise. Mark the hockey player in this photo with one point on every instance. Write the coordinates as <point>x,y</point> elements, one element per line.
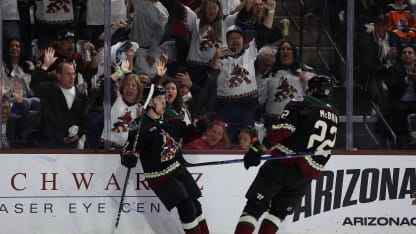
<point>156,142</point>
<point>307,124</point>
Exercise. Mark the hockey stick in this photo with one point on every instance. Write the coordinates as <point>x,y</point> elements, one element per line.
<point>264,157</point>
<point>120,207</point>
<point>136,138</point>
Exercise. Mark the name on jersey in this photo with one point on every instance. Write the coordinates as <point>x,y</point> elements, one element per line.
<point>329,115</point>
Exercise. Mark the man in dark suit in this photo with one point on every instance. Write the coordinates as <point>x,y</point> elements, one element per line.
<point>63,105</point>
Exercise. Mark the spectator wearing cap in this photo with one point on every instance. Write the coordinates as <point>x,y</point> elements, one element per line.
<point>64,51</point>
<point>233,68</point>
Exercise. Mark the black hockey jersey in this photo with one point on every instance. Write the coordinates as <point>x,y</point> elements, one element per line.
<point>313,124</point>
<point>158,144</point>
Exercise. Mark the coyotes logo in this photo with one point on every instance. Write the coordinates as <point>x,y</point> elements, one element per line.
<point>209,39</point>
<point>57,5</point>
<point>123,123</point>
<point>238,76</point>
<point>284,91</point>
<point>170,146</point>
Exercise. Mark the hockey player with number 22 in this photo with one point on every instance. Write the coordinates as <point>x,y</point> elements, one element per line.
<point>308,125</point>
<point>157,145</point>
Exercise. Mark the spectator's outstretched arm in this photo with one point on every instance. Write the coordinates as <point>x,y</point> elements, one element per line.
<point>270,5</point>
<point>41,73</point>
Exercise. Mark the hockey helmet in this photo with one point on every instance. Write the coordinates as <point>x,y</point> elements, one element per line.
<point>321,86</point>
<point>151,91</point>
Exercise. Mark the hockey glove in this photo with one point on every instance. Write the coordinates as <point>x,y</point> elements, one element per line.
<point>201,124</point>
<point>128,159</point>
<point>252,157</point>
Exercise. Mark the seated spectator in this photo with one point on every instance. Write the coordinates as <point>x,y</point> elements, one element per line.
<point>246,136</point>
<point>401,101</point>
<point>406,35</point>
<point>397,10</point>
<point>63,105</point>
<point>214,138</point>
<point>287,80</point>
<point>258,16</point>
<point>17,69</point>
<point>16,130</point>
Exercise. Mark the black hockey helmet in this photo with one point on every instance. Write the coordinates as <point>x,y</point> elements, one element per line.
<point>152,91</point>
<point>321,86</point>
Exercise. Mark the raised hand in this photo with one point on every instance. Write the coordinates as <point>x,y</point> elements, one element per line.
<point>125,66</point>
<point>17,91</point>
<point>270,4</point>
<point>49,57</point>
<point>161,68</point>
<point>4,87</point>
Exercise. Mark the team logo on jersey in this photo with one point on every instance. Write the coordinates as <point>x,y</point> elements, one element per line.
<point>170,146</point>
<point>123,123</point>
<point>239,75</point>
<point>284,90</point>
<point>57,5</point>
<point>209,39</point>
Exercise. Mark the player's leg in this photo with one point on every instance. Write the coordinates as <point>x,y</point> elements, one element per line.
<point>287,200</point>
<point>188,217</point>
<point>259,195</point>
<point>194,193</point>
<point>173,193</point>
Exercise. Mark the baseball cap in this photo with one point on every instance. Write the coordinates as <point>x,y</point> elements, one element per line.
<point>234,28</point>
<point>66,34</point>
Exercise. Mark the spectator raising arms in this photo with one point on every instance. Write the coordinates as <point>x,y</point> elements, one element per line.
<point>125,110</point>
<point>63,105</point>
<point>233,68</point>
<point>208,33</point>
<point>258,16</point>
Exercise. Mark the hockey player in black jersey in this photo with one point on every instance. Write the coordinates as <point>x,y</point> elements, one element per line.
<point>308,124</point>
<point>156,141</point>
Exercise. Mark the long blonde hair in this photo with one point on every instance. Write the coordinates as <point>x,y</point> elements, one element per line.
<point>134,77</point>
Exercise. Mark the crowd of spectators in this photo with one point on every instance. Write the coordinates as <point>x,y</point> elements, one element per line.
<point>228,59</point>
